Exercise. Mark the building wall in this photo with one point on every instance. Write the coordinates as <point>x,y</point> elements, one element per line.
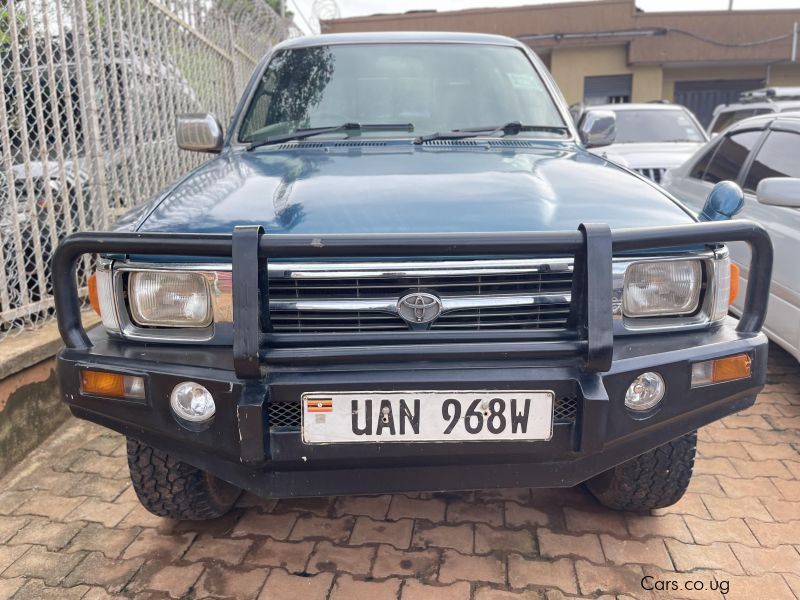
<point>570,66</point>
<point>671,75</point>
<point>785,74</point>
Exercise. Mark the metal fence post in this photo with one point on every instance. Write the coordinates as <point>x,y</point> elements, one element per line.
<point>93,143</point>
<point>232,62</point>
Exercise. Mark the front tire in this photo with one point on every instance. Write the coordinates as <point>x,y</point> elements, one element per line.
<point>655,479</point>
<point>170,488</point>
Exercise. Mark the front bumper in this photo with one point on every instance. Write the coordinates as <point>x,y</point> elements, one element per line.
<point>243,447</point>
<point>585,365</point>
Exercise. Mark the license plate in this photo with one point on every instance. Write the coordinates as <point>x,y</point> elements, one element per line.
<point>463,416</point>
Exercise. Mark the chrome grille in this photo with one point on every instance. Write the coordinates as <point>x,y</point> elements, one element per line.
<point>534,317</point>
<point>297,321</point>
<point>380,287</point>
<point>362,297</point>
<point>289,414</point>
<point>654,173</point>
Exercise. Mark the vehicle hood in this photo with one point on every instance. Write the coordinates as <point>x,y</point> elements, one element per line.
<point>652,156</point>
<point>328,188</point>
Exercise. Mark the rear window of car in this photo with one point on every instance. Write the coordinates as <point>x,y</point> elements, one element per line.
<point>779,156</point>
<point>642,126</point>
<point>733,116</point>
<point>725,160</point>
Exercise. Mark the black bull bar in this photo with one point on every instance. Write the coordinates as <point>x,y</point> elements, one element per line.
<point>249,249</point>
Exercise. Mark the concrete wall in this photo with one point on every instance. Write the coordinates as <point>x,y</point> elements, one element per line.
<point>785,74</point>
<point>570,66</point>
<point>30,410</point>
<point>30,402</point>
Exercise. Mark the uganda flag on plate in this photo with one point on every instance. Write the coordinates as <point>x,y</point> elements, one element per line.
<point>319,405</point>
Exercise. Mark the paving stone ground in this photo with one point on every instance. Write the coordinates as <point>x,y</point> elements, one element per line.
<point>71,528</point>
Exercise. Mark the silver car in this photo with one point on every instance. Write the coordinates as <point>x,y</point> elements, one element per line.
<point>761,155</point>
<point>651,137</point>
<point>756,102</point>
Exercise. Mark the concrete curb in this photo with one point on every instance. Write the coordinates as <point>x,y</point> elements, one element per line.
<point>30,404</point>
<point>32,346</point>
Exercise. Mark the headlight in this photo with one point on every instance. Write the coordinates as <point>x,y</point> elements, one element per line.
<point>167,299</point>
<point>660,288</point>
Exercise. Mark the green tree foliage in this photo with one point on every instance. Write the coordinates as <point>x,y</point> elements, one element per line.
<point>276,6</point>
<point>5,24</point>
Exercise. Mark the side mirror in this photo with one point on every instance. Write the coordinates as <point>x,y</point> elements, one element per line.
<point>779,191</point>
<point>598,128</point>
<point>724,201</point>
<point>198,132</point>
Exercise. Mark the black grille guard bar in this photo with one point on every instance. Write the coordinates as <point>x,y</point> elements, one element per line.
<point>249,249</point>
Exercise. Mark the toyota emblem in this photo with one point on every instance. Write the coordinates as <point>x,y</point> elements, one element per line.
<point>419,307</point>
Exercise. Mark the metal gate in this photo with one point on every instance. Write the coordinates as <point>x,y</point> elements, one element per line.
<point>702,97</point>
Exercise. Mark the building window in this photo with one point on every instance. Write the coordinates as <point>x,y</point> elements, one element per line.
<point>607,89</point>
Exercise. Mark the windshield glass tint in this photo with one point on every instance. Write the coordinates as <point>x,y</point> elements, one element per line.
<point>435,87</point>
<point>635,126</point>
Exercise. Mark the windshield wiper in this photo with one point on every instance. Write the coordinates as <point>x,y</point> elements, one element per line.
<point>301,134</point>
<point>510,128</point>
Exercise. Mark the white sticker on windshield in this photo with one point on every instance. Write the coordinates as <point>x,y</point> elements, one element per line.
<point>523,81</point>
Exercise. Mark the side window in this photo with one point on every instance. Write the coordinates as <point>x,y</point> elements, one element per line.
<point>779,156</point>
<point>701,165</point>
<point>730,156</point>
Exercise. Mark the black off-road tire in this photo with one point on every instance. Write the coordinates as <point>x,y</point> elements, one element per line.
<point>655,479</point>
<point>170,488</point>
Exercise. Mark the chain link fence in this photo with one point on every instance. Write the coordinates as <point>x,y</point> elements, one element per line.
<point>90,92</point>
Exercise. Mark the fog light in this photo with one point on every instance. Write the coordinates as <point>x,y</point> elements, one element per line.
<point>114,385</point>
<point>192,402</point>
<point>645,392</point>
<point>721,369</point>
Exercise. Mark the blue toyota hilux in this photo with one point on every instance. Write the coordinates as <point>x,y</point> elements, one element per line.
<point>403,271</point>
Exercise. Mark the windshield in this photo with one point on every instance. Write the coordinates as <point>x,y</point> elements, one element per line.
<point>434,87</point>
<point>641,126</point>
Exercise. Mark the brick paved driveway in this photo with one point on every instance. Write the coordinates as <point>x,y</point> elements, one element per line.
<point>70,528</point>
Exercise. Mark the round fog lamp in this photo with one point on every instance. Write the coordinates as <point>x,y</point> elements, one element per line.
<point>645,392</point>
<point>192,402</point>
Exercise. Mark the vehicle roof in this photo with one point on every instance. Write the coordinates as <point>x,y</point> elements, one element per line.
<point>388,37</point>
<point>636,106</point>
<point>778,103</point>
<point>764,119</point>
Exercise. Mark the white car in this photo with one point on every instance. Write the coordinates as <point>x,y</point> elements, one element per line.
<point>651,137</point>
<point>762,155</point>
<point>753,103</point>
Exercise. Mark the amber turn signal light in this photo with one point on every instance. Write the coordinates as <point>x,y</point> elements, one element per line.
<point>721,369</point>
<point>91,283</point>
<point>734,283</point>
<point>113,385</point>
